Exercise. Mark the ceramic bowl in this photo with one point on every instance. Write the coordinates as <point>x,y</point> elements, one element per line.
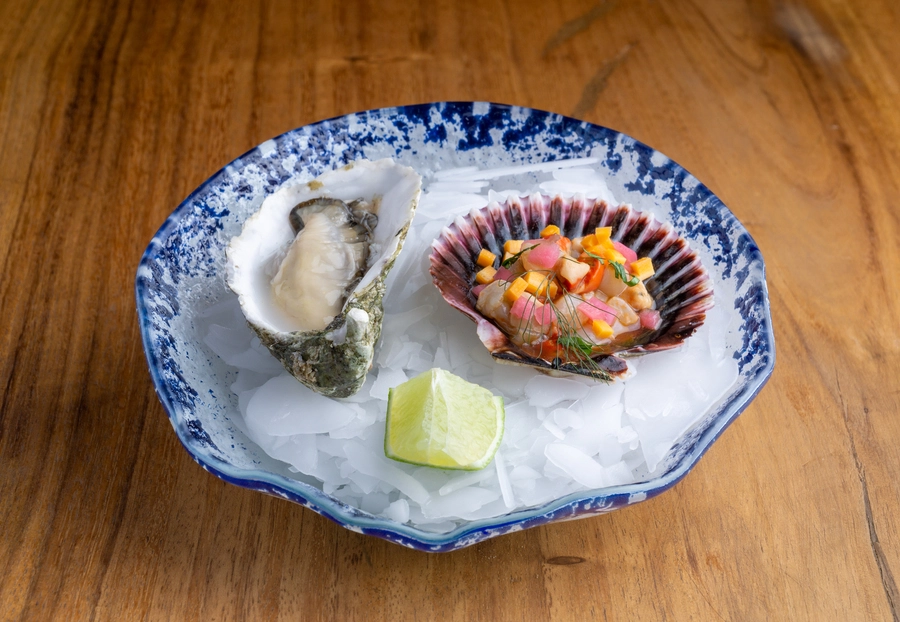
<point>181,274</point>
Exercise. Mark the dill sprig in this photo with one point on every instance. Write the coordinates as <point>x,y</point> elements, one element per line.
<point>619,269</point>
<point>579,347</point>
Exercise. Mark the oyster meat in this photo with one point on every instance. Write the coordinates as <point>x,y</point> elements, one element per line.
<point>309,269</point>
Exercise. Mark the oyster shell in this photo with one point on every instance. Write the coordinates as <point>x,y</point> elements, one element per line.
<point>681,287</point>
<point>309,269</point>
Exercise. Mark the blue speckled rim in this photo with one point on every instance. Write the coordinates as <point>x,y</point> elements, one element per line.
<point>484,126</point>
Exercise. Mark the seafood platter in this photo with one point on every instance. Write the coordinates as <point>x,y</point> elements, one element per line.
<point>612,305</point>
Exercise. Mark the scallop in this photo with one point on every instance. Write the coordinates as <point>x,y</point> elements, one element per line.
<point>309,269</point>
<point>681,288</point>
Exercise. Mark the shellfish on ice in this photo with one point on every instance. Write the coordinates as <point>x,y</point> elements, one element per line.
<point>680,288</point>
<point>309,269</point>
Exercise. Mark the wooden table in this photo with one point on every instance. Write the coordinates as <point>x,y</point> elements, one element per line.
<point>112,112</point>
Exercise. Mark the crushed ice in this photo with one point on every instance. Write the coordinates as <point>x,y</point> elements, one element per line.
<point>562,434</point>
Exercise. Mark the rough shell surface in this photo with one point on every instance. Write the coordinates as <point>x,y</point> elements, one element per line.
<point>681,286</point>
<point>333,361</point>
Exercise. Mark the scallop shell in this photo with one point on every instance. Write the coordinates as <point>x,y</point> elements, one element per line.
<point>681,286</point>
<point>333,361</point>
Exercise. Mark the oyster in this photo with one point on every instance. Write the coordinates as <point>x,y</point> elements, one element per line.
<point>309,269</point>
<point>680,289</point>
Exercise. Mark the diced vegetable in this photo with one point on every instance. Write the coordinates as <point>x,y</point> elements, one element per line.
<point>485,275</point>
<point>545,315</point>
<point>628,254</point>
<point>537,282</point>
<point>650,319</point>
<point>601,329</point>
<point>523,306</point>
<point>590,244</point>
<point>503,274</point>
<point>549,230</point>
<point>562,296</point>
<point>512,246</point>
<point>594,309</point>
<point>614,255</point>
<point>515,289</point>
<point>542,257</point>
<point>553,290</point>
<point>642,268</point>
<point>486,258</point>
<point>527,308</point>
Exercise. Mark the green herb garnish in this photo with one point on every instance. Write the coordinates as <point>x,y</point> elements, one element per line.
<point>574,342</point>
<point>619,269</point>
<point>508,262</point>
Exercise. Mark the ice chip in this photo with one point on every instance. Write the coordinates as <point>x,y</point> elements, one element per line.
<point>546,391</point>
<point>459,502</point>
<point>398,511</point>
<point>576,464</point>
<point>565,418</point>
<point>511,379</point>
<point>387,379</point>
<point>283,407</point>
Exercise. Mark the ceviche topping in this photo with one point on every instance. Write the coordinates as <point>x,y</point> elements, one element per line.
<point>567,299</point>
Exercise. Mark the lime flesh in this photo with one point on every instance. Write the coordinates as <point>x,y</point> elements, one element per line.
<point>440,420</point>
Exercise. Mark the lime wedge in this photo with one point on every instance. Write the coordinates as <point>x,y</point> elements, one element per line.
<point>440,420</point>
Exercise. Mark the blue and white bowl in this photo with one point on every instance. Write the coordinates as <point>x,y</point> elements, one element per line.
<point>182,274</point>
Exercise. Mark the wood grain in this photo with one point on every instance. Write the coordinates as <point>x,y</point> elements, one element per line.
<point>112,112</point>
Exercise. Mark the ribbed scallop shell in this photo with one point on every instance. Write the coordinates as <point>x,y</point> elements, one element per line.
<point>681,286</point>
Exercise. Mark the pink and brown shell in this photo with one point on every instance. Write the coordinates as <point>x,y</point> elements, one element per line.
<point>681,287</point>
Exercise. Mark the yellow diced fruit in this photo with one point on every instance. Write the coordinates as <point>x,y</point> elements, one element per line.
<point>536,283</point>
<point>616,256</point>
<point>599,250</point>
<point>603,234</point>
<point>601,329</point>
<point>507,257</point>
<point>485,275</point>
<point>553,290</point>
<point>642,268</point>
<point>512,246</point>
<point>549,230</point>
<point>485,258</point>
<point>515,289</point>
